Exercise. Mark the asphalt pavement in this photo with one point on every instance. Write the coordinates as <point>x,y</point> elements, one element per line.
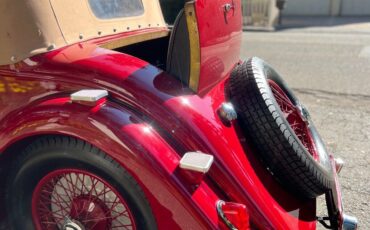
<point>327,63</point>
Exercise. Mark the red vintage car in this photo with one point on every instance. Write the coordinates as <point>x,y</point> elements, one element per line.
<point>110,119</point>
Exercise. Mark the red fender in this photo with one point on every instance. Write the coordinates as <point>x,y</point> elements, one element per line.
<point>132,143</point>
<point>190,121</point>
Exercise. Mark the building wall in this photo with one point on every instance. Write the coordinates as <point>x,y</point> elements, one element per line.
<point>328,7</point>
<point>307,7</point>
<point>355,7</point>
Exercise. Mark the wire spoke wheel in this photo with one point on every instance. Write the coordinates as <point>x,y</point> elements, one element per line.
<point>295,118</point>
<point>280,129</point>
<point>78,197</point>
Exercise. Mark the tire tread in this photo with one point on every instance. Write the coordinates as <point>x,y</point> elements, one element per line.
<point>262,121</point>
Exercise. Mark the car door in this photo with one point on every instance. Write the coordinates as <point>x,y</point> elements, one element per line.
<point>220,32</point>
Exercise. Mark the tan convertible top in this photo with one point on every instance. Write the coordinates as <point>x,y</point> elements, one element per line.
<point>30,27</point>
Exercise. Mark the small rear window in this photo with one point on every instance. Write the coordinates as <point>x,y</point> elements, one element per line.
<point>109,9</point>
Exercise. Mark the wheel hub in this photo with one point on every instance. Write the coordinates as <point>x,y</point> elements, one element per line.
<point>72,225</point>
<point>91,211</point>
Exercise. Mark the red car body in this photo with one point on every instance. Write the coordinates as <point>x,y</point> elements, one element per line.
<point>149,121</point>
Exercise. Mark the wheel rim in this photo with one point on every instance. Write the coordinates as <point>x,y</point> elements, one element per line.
<point>297,118</point>
<point>79,200</point>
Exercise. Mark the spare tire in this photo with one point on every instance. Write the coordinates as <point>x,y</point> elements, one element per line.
<point>280,128</point>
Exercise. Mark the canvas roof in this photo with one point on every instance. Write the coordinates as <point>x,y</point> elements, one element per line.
<point>30,27</point>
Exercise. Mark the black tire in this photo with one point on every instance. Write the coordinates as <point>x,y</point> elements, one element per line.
<point>279,147</point>
<point>50,154</point>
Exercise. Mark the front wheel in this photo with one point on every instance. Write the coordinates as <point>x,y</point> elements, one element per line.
<point>65,183</point>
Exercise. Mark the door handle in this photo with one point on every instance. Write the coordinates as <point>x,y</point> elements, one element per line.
<point>227,8</point>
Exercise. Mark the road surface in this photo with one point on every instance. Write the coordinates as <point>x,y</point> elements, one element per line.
<point>329,70</point>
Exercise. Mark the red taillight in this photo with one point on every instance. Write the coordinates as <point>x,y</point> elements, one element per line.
<point>234,215</point>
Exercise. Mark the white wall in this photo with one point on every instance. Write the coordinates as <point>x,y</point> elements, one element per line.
<point>355,7</point>
<point>328,7</point>
<point>307,7</point>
